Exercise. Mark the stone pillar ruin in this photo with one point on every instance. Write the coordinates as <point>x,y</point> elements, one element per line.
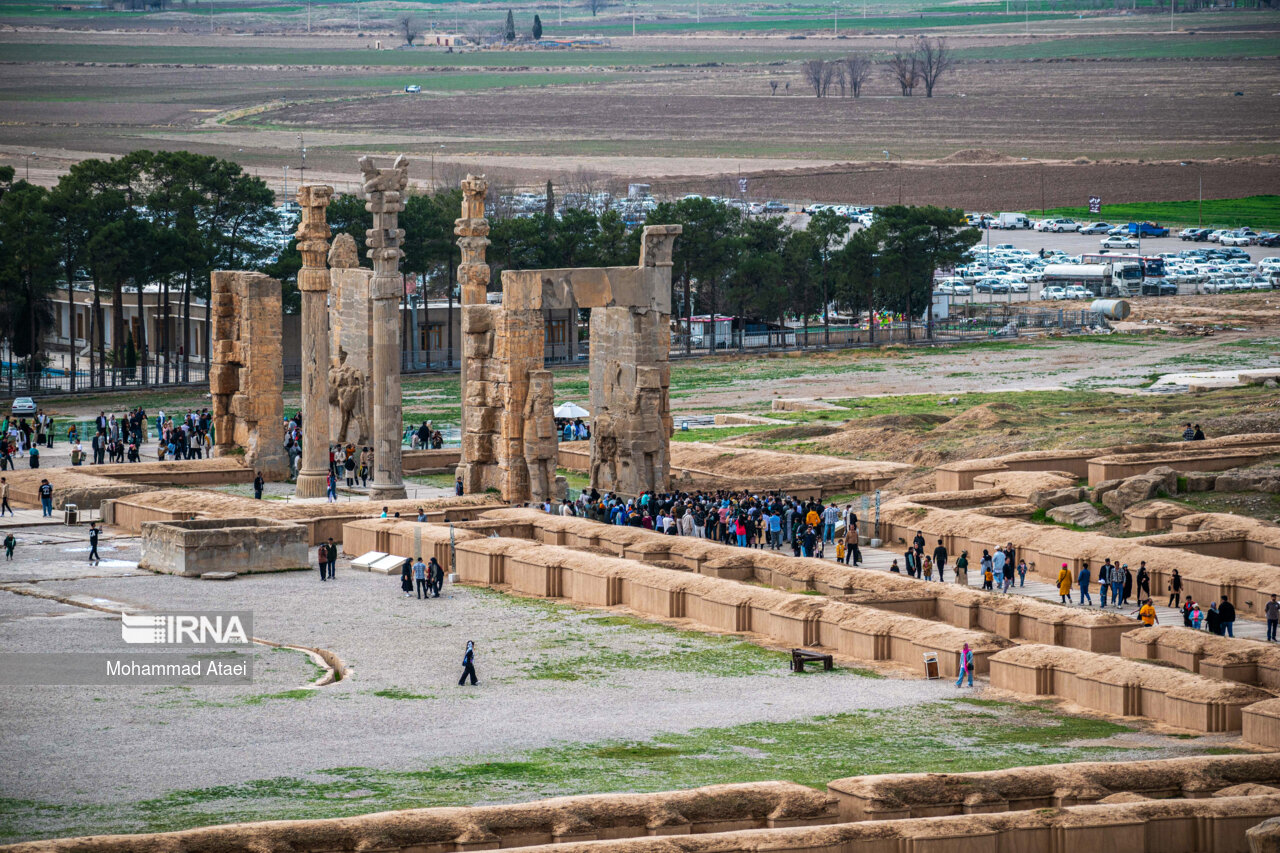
<point>246,375</point>
<point>384,198</point>
<point>480,403</point>
<point>506,392</point>
<point>631,375</point>
<point>313,282</point>
<point>350,346</point>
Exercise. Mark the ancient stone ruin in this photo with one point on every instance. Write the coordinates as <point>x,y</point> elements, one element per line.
<point>313,282</point>
<point>350,346</point>
<point>504,384</point>
<point>384,198</point>
<point>246,377</point>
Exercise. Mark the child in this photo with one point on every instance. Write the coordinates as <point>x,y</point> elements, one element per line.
<point>988,576</point>
<point>9,544</point>
<point>1196,617</point>
<point>840,551</point>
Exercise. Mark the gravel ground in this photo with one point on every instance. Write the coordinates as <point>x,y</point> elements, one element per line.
<point>180,739</point>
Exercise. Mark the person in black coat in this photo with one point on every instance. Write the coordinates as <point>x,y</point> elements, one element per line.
<point>435,577</point>
<point>406,577</point>
<point>1227,618</point>
<point>469,665</point>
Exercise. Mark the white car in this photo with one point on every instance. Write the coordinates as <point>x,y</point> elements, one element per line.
<point>1053,291</point>
<point>412,89</point>
<point>1077,291</point>
<point>1119,243</point>
<point>1235,240</point>
<point>1057,225</point>
<point>23,407</point>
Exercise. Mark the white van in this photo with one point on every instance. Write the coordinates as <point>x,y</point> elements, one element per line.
<point>1011,221</point>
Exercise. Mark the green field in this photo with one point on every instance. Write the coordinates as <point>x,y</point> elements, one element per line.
<point>1130,47</point>
<point>1257,211</point>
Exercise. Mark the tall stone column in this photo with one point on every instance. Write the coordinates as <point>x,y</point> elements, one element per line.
<point>384,198</point>
<point>313,281</point>
<point>479,430</point>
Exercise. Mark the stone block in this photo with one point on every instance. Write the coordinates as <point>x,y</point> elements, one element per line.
<point>1082,514</point>
<point>1057,497</point>
<point>219,545</point>
<point>1132,490</point>
<point>1200,481</point>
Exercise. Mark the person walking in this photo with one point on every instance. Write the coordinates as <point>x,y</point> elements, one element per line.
<point>322,557</point>
<point>940,561</point>
<point>1022,572</point>
<point>94,533</point>
<point>1212,620</point>
<point>1082,579</point>
<point>1064,585</point>
<point>1227,616</point>
<point>1144,581</point>
<point>997,568</point>
<point>332,552</point>
<point>1147,613</point>
<point>1272,611</point>
<point>966,665</point>
<point>46,499</point>
<point>258,485</point>
<point>4,496</point>
<point>1104,582</point>
<point>406,577</point>
<point>1117,584</point>
<point>420,578</point>
<point>962,569</point>
<point>1196,616</point>
<point>926,568</point>
<point>1175,589</point>
<point>11,542</point>
<point>469,665</point>
<point>331,489</point>
<point>909,560</point>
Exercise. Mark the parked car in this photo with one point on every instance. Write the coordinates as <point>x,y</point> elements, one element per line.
<point>1078,291</point>
<point>1053,291</point>
<point>1057,225</point>
<point>1119,242</point>
<point>1269,239</point>
<point>23,407</point>
<point>1095,228</point>
<point>775,207</point>
<point>992,285</point>
<point>1235,240</point>
<point>1155,287</point>
<point>412,89</point>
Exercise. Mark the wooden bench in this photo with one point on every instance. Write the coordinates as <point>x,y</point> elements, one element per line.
<point>799,657</point>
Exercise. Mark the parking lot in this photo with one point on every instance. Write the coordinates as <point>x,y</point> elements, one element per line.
<point>1076,244</point>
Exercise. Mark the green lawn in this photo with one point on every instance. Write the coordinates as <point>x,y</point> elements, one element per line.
<point>1258,211</point>
<point>1171,46</point>
<point>945,736</point>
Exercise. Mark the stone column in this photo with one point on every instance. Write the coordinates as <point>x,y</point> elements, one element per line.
<point>478,320</point>
<point>384,198</point>
<point>313,281</point>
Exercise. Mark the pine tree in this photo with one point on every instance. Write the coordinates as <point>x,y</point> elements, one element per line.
<point>511,26</point>
<point>537,28</point>
<point>130,354</point>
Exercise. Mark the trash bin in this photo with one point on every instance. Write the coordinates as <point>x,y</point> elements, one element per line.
<point>70,513</point>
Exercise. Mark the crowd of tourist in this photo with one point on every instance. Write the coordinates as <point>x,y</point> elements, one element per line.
<point>774,521</point>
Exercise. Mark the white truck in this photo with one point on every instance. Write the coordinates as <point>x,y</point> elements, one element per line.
<point>1008,221</point>
<point>1119,278</point>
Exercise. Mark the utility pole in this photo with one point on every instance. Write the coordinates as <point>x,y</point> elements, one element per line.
<point>835,22</point>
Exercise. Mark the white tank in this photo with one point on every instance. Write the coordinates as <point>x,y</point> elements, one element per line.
<point>1112,309</point>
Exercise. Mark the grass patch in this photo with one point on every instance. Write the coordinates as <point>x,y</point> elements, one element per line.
<point>1258,211</point>
<point>398,693</point>
<point>953,735</point>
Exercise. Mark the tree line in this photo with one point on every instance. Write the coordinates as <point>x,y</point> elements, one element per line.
<point>922,65</point>
<point>163,221</point>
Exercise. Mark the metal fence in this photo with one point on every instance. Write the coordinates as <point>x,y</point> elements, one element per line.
<point>968,323</point>
<point>18,382</point>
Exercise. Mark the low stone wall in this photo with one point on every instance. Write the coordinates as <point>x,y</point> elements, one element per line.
<point>431,461</point>
<point>713,809</point>
<point>957,476</point>
<point>1224,658</point>
<point>1261,723</point>
<point>322,520</point>
<point>1248,585</point>
<point>1189,457</point>
<point>402,538</point>
<point>1260,540</point>
<point>913,795</point>
<point>242,545</point>
<point>1019,618</point>
<point>1124,688</point>
<point>551,571</point>
<point>219,471</point>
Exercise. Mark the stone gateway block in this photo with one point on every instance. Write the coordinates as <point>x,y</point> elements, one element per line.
<point>246,377</point>
<point>239,545</point>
